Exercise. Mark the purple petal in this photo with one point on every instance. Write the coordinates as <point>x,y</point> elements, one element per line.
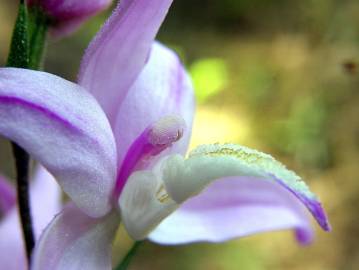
<point>67,15</point>
<point>7,196</point>
<point>119,51</point>
<point>235,207</point>
<point>45,202</point>
<point>162,89</point>
<point>64,128</point>
<point>75,241</point>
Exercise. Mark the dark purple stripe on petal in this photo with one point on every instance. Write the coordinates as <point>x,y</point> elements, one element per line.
<point>313,205</point>
<point>21,102</point>
<point>137,150</point>
<point>50,114</point>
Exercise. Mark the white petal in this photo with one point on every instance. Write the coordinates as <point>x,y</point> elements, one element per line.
<point>144,204</point>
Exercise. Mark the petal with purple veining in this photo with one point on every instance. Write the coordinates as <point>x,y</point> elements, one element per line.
<point>65,129</point>
<point>120,50</point>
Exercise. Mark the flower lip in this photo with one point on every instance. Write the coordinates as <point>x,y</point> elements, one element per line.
<point>186,178</point>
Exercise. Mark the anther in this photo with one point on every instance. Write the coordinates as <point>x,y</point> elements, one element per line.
<point>167,130</point>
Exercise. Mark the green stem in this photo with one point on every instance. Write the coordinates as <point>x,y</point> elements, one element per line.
<point>38,25</point>
<point>131,253</point>
<point>22,160</point>
<point>19,48</point>
<point>25,52</point>
<point>19,57</point>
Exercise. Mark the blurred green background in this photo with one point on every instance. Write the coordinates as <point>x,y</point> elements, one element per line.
<point>279,76</point>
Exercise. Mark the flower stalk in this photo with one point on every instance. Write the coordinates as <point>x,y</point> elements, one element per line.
<point>22,160</point>
<point>129,256</point>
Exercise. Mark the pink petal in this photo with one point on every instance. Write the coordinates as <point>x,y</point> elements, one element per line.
<point>67,15</point>
<point>235,207</point>
<point>7,196</point>
<point>163,88</point>
<point>45,202</point>
<point>64,128</point>
<point>119,51</point>
<point>75,241</point>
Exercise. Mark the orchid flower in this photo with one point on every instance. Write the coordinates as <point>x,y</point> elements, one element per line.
<point>116,141</point>
<point>67,15</point>
<point>43,190</point>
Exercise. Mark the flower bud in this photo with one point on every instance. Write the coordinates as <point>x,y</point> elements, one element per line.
<point>67,15</point>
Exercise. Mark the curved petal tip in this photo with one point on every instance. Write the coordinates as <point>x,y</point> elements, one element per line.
<point>313,205</point>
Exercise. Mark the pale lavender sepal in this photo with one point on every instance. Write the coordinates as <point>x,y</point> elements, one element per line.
<point>119,51</point>
<point>67,15</point>
<point>12,249</point>
<point>65,129</point>
<point>75,241</point>
<point>7,196</point>
<point>235,207</point>
<point>163,88</point>
<point>45,197</point>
